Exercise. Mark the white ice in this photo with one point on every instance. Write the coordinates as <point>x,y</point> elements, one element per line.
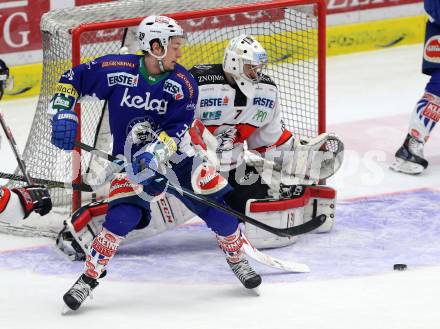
<point>369,100</point>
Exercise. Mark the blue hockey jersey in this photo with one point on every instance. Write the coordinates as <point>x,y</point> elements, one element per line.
<point>432,8</point>
<point>138,103</point>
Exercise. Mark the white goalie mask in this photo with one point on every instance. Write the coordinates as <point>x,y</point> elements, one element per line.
<point>240,51</point>
<point>161,28</point>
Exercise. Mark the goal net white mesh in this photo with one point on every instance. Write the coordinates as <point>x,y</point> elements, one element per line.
<point>292,32</point>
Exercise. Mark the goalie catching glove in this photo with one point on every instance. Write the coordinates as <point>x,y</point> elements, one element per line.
<point>308,162</point>
<point>314,159</point>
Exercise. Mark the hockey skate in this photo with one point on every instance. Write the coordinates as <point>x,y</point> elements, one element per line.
<point>246,274</point>
<point>81,289</point>
<point>409,157</point>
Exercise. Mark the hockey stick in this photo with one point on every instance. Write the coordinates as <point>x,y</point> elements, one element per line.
<point>19,91</point>
<point>13,144</point>
<point>267,260</point>
<point>314,223</point>
<point>49,183</point>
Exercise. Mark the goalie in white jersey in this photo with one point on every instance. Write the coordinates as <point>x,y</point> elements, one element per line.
<point>239,105</point>
<point>18,203</point>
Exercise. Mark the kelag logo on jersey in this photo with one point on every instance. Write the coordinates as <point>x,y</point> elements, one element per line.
<point>214,115</point>
<point>266,102</point>
<point>173,88</point>
<point>122,78</point>
<point>205,102</point>
<point>147,104</point>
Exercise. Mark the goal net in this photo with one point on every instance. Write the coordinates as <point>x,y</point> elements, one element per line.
<point>292,32</point>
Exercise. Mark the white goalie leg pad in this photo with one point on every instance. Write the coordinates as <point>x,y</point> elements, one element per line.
<point>322,202</point>
<point>303,204</point>
<point>78,232</point>
<point>276,213</point>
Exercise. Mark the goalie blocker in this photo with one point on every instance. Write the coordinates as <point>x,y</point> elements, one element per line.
<point>300,203</point>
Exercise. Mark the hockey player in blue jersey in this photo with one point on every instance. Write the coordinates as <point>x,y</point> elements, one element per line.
<point>151,102</point>
<point>409,157</point>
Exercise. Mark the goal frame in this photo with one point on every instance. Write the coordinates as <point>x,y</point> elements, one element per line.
<point>197,14</point>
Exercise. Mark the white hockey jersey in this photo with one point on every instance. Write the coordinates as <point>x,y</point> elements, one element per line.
<point>235,119</point>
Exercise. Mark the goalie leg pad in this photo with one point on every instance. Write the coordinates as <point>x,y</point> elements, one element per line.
<point>322,201</point>
<point>103,249</point>
<point>276,213</point>
<point>78,233</point>
<point>299,204</point>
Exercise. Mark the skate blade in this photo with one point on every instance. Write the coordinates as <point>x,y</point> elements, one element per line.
<point>406,167</point>
<point>66,310</point>
<point>255,291</point>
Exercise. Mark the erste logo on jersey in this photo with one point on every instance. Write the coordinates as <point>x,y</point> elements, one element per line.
<point>218,101</point>
<point>173,88</point>
<point>122,78</point>
<point>147,104</point>
<point>266,102</point>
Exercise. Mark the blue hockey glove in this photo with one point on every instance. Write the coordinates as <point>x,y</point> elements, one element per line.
<point>145,167</point>
<point>432,7</point>
<point>64,125</point>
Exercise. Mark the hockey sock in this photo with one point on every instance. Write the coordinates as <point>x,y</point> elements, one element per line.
<point>232,246</point>
<point>427,111</point>
<point>103,249</point>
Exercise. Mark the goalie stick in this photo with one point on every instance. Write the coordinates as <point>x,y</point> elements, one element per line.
<point>314,223</point>
<point>19,91</point>
<point>13,144</point>
<point>49,183</point>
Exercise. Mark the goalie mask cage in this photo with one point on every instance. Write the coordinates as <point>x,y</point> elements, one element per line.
<point>291,31</point>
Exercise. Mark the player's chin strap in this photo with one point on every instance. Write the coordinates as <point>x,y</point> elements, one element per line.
<point>159,59</point>
<point>291,231</point>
